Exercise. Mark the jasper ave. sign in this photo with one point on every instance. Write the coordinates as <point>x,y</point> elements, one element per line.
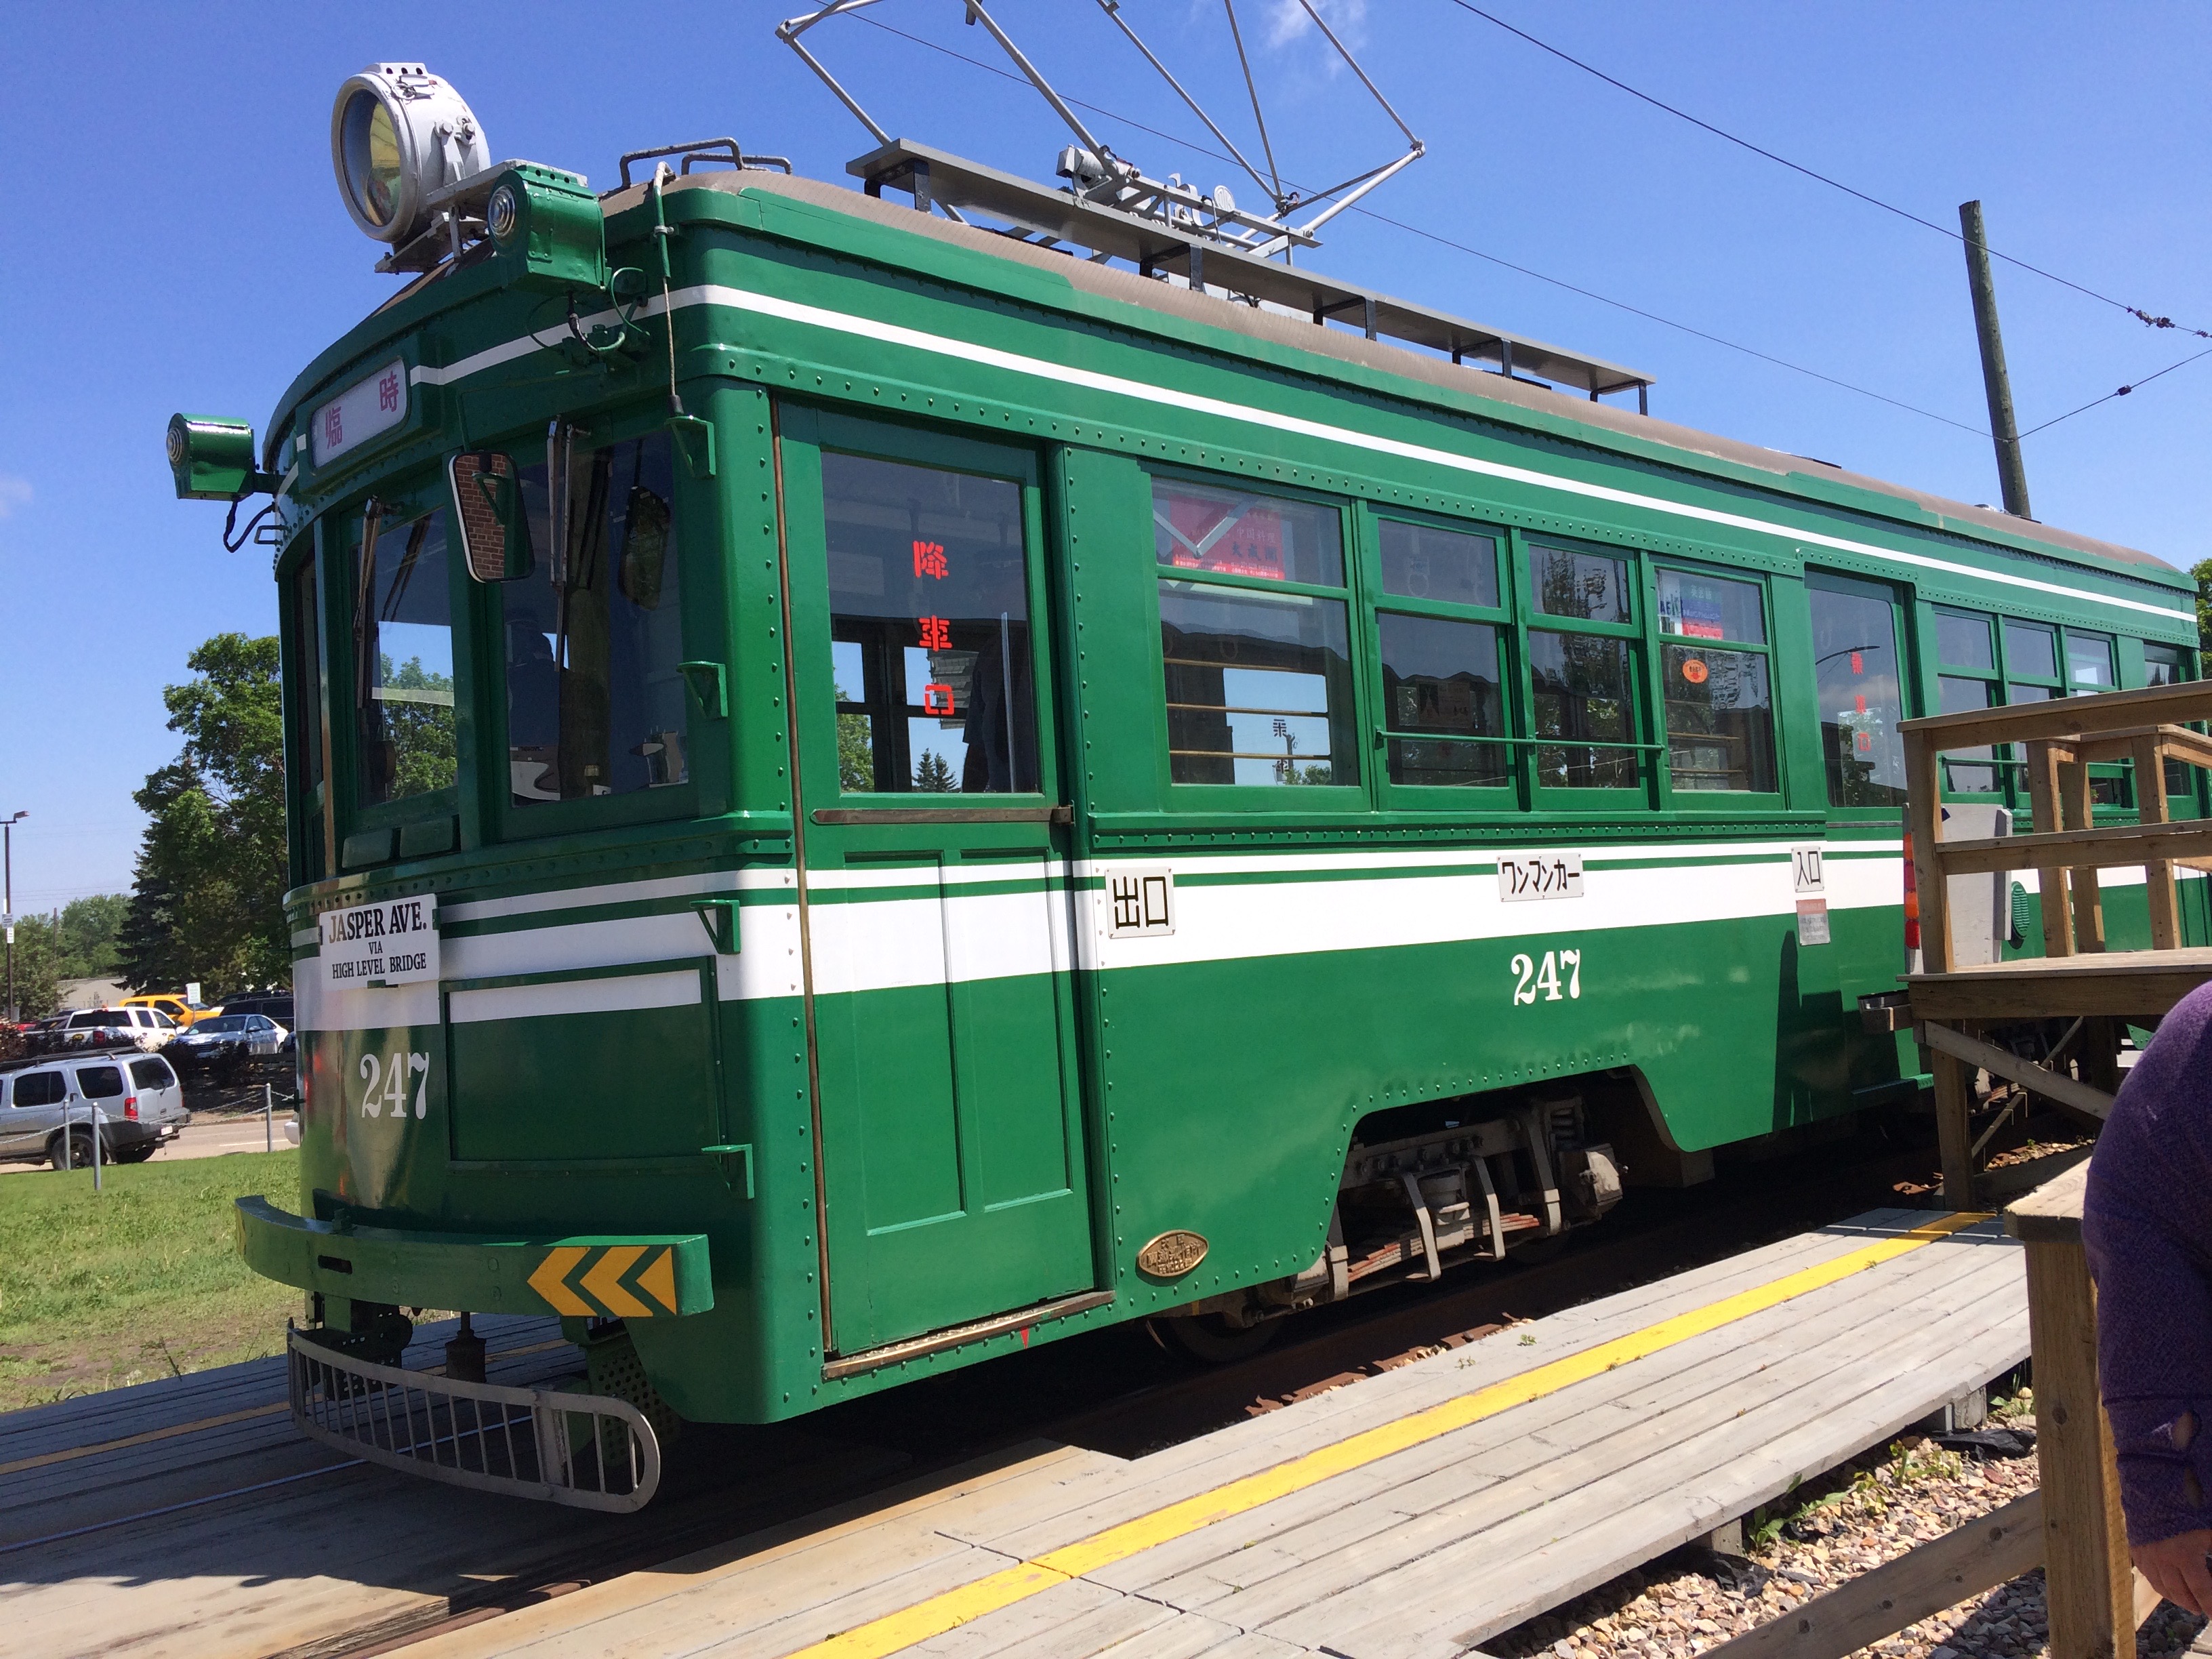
<point>395,942</point>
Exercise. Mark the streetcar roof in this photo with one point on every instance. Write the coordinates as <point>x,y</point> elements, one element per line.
<point>1658,438</point>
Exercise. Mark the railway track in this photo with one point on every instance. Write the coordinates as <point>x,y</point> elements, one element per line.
<point>1118,1390</point>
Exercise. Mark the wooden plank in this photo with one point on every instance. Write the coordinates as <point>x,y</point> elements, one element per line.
<point>2132,984</point>
<point>2036,1079</point>
<point>1923,818</point>
<point>2086,1574</point>
<point>1687,1450</point>
<point>1976,1557</point>
<point>2173,743</point>
<point>2114,844</point>
<point>1596,1523</point>
<point>2176,705</point>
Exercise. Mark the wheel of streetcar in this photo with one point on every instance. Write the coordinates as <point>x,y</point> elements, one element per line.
<point>1211,1340</point>
<point>80,1151</point>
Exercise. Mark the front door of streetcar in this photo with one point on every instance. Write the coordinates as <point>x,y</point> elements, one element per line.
<point>937,914</point>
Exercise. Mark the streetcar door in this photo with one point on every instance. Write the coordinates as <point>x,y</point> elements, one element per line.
<point>937,904</point>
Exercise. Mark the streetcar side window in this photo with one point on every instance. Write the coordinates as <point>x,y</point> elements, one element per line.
<point>1966,681</point>
<point>929,629</point>
<point>1443,641</point>
<point>1861,692</point>
<point>1582,671</point>
<point>1718,688</point>
<point>1256,637</point>
<point>403,659</point>
<point>593,634</point>
<point>2169,665</point>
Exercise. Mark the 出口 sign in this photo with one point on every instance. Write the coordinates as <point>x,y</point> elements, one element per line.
<point>395,942</point>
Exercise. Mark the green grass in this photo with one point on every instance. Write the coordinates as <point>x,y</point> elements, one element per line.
<point>141,1280</point>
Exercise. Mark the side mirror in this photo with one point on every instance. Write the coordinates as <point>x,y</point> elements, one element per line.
<point>488,505</point>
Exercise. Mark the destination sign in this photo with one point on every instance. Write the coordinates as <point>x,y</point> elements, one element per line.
<point>364,410</point>
<point>395,942</point>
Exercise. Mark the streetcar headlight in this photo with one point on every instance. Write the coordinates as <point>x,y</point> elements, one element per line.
<point>397,134</point>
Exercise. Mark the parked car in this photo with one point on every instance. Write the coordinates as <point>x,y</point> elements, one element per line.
<point>179,1009</point>
<point>137,1028</point>
<point>277,1004</point>
<point>221,1049</point>
<point>133,1101</point>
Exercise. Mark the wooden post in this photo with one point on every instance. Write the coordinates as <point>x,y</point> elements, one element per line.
<point>1955,1105</point>
<point>2080,807</point>
<point>1924,816</point>
<point>2151,807</point>
<point>2043,759</point>
<point>2088,1583</point>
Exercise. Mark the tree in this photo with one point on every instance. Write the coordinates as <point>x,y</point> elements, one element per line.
<point>931,776</point>
<point>207,897</point>
<point>856,754</point>
<point>2202,571</point>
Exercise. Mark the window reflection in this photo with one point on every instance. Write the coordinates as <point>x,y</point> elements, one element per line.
<point>1421,562</point>
<point>1959,695</point>
<point>404,661</point>
<point>1720,719</point>
<point>1585,585</point>
<point>1259,686</point>
<point>1441,680</point>
<point>1581,688</point>
<point>1854,669</point>
<point>1230,532</point>
<point>595,702</point>
<point>929,629</point>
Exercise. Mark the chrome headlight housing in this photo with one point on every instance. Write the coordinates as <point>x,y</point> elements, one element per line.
<point>397,133</point>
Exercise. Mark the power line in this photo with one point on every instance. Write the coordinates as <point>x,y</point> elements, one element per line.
<point>1446,242</point>
<point>2121,393</point>
<point>2148,319</point>
<point>1668,322</point>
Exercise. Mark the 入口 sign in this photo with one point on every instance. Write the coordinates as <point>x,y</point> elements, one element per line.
<point>395,942</point>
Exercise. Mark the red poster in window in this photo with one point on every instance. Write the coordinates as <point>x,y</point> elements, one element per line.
<point>1858,664</point>
<point>937,699</point>
<point>936,632</point>
<point>1235,538</point>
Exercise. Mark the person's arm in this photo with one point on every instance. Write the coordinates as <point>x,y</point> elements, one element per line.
<point>2148,1226</point>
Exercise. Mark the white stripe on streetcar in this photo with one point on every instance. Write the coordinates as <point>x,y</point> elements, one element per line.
<point>883,333</point>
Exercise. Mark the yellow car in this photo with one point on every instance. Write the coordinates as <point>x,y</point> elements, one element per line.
<point>176,1008</point>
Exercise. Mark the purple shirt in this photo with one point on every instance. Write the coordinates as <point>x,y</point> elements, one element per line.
<point>2146,1221</point>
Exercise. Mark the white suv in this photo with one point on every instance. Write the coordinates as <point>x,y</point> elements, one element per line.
<point>134,1100</point>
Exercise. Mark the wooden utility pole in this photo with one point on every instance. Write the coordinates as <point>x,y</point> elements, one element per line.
<point>2012,476</point>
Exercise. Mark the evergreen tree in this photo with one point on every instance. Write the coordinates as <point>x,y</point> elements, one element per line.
<point>931,776</point>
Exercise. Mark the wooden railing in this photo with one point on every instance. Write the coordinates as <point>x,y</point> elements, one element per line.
<point>2059,742</point>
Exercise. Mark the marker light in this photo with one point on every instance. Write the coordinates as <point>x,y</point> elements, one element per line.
<point>397,133</point>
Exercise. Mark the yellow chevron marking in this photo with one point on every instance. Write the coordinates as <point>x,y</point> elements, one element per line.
<point>603,1282</point>
<point>551,1280</point>
<point>658,1281</point>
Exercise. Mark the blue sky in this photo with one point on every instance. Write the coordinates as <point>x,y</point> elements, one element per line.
<point>177,243</point>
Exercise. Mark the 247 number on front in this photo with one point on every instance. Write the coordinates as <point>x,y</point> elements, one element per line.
<point>1557,977</point>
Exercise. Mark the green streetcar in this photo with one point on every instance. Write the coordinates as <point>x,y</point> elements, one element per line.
<point>866,792</point>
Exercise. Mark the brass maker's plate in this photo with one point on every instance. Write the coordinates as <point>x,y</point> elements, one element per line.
<point>1172,1254</point>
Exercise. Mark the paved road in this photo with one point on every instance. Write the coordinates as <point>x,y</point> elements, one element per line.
<point>204,1137</point>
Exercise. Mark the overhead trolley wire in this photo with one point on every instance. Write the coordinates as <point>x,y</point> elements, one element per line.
<point>2149,319</point>
<point>1446,242</point>
<point>2121,393</point>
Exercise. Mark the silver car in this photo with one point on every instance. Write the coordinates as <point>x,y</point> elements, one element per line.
<point>133,1101</point>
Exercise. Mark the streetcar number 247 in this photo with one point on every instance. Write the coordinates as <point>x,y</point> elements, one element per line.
<point>1555,977</point>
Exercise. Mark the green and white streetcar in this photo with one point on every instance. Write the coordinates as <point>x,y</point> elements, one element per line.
<point>868,791</point>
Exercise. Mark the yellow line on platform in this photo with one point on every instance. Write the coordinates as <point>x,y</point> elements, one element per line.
<point>949,1611</point>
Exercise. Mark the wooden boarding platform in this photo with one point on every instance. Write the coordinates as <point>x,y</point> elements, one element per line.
<point>1958,999</point>
<point>1413,1513</point>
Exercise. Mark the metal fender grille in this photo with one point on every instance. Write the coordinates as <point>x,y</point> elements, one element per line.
<point>582,1449</point>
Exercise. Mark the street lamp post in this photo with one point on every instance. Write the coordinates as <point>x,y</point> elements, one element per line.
<point>7,900</point>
